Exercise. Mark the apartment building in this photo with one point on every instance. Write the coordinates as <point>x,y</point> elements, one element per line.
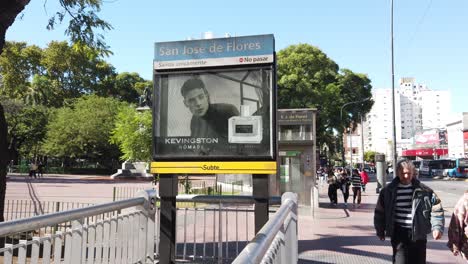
<point>417,109</point>
<point>378,127</point>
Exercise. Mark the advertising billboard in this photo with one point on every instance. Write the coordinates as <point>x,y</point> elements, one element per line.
<point>203,112</point>
<point>428,137</point>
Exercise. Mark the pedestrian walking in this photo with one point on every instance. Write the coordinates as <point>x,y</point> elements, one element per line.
<point>332,181</point>
<point>406,211</point>
<point>458,228</point>
<point>365,179</point>
<point>40,169</point>
<point>321,175</point>
<point>344,183</point>
<point>356,182</point>
<point>32,169</point>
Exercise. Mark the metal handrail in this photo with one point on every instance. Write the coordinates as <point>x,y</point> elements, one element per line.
<point>35,222</point>
<point>26,224</point>
<point>256,250</point>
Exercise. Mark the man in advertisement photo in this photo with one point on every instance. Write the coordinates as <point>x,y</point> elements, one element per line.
<point>208,120</point>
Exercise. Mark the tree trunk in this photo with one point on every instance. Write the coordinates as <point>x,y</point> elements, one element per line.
<point>9,10</point>
<point>5,157</point>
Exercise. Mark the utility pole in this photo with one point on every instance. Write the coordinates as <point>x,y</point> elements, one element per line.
<point>362,143</point>
<point>395,154</point>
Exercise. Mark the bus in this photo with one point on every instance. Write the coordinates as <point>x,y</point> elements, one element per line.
<point>439,167</point>
<point>459,169</point>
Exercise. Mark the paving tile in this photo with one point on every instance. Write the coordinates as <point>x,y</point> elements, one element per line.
<point>345,234</point>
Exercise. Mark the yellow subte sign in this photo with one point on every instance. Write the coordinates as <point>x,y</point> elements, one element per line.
<point>208,167</point>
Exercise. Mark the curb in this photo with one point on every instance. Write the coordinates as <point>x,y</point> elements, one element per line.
<point>449,179</point>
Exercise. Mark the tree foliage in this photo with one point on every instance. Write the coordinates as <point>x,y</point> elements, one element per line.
<point>133,133</point>
<point>369,156</point>
<point>83,129</point>
<point>18,63</point>
<point>27,127</point>
<point>51,75</point>
<point>124,86</point>
<point>308,78</point>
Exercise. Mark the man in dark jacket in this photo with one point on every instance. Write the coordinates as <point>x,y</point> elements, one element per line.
<point>406,211</point>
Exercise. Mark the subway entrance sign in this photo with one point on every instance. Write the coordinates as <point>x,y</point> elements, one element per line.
<point>222,167</point>
<point>215,100</point>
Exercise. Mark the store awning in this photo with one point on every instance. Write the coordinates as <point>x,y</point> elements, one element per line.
<point>425,152</point>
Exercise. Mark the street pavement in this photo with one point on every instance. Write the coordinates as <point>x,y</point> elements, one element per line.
<point>92,189</point>
<point>345,234</point>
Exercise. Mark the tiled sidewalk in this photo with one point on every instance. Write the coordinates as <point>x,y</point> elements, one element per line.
<point>346,234</point>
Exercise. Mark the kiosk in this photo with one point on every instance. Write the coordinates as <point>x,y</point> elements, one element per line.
<point>297,154</point>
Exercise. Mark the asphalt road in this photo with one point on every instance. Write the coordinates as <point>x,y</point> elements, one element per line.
<point>448,191</point>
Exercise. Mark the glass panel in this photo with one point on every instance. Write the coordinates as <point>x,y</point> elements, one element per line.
<point>295,132</point>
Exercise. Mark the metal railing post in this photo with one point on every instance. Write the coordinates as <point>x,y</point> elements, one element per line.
<point>291,236</point>
<point>77,241</point>
<point>147,222</point>
<point>220,234</point>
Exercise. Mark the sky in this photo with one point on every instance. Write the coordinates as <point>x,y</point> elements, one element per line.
<point>430,36</point>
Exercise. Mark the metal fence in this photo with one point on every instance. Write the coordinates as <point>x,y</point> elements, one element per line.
<point>214,230</point>
<point>117,232</point>
<point>17,209</point>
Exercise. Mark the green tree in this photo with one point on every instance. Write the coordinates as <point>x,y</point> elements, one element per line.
<point>83,130</point>
<point>49,76</point>
<point>27,127</point>
<point>369,156</point>
<point>73,71</point>
<point>18,63</point>
<point>307,77</point>
<point>133,133</point>
<point>82,27</point>
<point>124,86</point>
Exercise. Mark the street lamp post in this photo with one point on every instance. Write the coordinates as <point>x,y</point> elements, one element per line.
<point>393,94</point>
<point>362,143</point>
<point>350,151</point>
